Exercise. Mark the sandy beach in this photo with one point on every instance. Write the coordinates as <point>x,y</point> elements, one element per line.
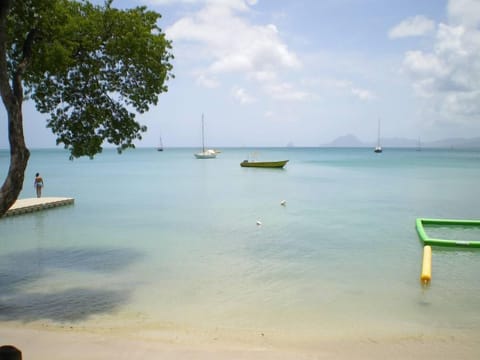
<point>42,342</point>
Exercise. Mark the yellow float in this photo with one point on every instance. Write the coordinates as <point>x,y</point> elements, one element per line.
<point>426,265</point>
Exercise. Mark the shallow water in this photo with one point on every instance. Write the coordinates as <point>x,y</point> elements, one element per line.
<point>162,239</point>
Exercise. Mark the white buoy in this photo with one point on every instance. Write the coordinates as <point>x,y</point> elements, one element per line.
<point>283,202</point>
<point>259,222</point>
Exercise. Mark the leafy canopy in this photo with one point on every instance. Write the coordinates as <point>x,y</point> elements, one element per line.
<point>91,67</point>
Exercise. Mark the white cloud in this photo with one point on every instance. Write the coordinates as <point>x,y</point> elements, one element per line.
<point>268,114</point>
<point>363,94</point>
<point>235,4</point>
<point>414,26</point>
<point>449,74</point>
<point>349,87</point>
<point>424,65</point>
<point>464,12</point>
<point>285,91</point>
<point>207,81</point>
<point>171,2</point>
<point>233,44</point>
<point>452,41</point>
<point>230,44</point>
<point>242,96</point>
<point>264,76</point>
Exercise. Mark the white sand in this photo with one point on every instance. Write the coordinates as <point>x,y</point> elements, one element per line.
<point>42,342</point>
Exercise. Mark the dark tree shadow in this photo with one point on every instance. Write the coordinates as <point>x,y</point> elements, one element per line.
<point>25,267</point>
<point>81,259</point>
<point>69,305</point>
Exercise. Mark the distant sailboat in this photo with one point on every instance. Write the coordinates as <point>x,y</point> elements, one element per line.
<point>160,145</point>
<point>205,154</point>
<point>378,148</point>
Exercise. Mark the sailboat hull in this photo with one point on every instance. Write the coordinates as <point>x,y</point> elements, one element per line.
<point>205,155</point>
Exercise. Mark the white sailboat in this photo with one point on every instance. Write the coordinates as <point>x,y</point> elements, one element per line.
<point>378,148</point>
<point>419,145</point>
<point>205,154</point>
<point>160,145</point>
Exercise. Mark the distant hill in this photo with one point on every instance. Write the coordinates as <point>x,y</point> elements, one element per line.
<point>346,141</point>
<point>352,141</point>
<point>456,143</point>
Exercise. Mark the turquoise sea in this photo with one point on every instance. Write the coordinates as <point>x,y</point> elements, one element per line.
<point>162,240</point>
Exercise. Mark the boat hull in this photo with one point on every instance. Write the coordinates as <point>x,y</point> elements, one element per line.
<point>264,164</point>
<point>205,155</point>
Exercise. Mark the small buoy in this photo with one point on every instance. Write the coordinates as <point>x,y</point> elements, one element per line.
<point>283,202</point>
<point>259,222</point>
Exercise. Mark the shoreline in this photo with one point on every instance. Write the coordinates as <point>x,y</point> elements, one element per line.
<point>40,341</point>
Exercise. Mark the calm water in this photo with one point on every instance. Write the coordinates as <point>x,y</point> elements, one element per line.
<point>162,239</point>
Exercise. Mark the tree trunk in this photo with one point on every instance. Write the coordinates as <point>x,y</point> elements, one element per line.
<point>12,97</point>
<point>19,155</point>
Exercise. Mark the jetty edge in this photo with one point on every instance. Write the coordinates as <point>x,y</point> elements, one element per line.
<point>24,206</point>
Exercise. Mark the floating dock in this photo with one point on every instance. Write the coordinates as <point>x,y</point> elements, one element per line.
<point>24,206</point>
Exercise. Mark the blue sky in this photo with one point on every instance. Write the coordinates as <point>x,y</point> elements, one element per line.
<point>273,72</point>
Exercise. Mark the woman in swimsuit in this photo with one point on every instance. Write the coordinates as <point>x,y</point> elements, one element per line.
<point>38,184</point>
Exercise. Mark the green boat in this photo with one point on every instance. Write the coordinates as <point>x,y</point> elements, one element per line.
<point>264,164</point>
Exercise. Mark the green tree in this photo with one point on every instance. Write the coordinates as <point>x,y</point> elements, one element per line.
<point>89,67</point>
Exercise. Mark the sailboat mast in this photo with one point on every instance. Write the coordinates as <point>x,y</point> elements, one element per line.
<point>378,135</point>
<point>203,137</point>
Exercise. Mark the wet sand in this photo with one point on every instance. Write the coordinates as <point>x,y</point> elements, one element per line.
<point>42,342</point>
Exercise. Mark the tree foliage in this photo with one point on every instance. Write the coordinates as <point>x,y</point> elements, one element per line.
<point>91,68</point>
<point>92,65</point>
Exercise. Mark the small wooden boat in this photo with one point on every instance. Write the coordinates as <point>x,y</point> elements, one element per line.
<point>264,164</point>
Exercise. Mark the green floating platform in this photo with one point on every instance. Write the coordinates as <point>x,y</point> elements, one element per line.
<point>445,242</point>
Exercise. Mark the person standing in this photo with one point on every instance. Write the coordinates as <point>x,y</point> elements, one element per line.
<point>38,184</point>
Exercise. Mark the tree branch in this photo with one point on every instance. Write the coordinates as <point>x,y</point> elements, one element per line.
<point>22,66</point>
<point>5,89</point>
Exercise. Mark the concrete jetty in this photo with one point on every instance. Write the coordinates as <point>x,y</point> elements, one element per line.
<point>23,206</point>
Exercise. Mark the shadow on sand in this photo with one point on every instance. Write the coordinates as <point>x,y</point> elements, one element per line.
<point>20,269</point>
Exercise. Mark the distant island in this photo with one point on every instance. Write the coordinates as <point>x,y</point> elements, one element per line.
<point>352,141</point>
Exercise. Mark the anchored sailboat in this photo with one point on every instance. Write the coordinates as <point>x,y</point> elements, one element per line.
<point>378,148</point>
<point>205,154</point>
<point>160,145</point>
<point>419,145</point>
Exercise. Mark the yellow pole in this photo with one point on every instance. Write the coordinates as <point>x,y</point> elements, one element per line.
<point>427,265</point>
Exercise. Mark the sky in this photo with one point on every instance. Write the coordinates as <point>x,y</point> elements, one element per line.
<point>304,72</point>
